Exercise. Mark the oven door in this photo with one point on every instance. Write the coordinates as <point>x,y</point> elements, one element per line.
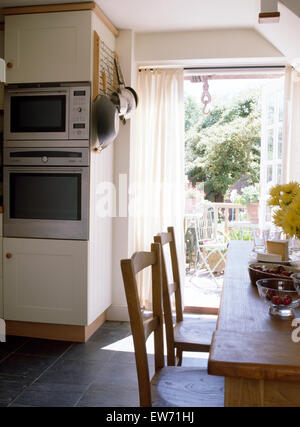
<point>41,114</point>
<point>46,202</point>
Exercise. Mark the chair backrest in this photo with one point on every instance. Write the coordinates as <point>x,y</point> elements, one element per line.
<point>141,328</point>
<point>170,289</point>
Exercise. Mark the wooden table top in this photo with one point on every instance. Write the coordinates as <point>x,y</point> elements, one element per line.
<point>249,343</point>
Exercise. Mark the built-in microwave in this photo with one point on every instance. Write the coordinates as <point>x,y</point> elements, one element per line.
<point>39,115</point>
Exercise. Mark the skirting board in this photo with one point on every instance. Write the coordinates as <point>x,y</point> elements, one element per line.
<point>50,331</point>
<point>117,313</point>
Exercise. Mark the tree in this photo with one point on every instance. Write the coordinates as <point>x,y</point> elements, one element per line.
<point>224,145</point>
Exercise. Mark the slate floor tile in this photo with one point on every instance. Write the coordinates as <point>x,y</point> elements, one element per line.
<point>3,355</point>
<point>49,348</point>
<point>110,396</point>
<point>12,343</point>
<point>24,366</point>
<point>88,351</point>
<point>50,395</point>
<point>72,372</point>
<point>11,387</point>
<point>117,374</point>
<point>101,372</point>
<point>107,336</point>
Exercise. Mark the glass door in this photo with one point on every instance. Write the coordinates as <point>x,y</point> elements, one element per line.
<point>271,144</point>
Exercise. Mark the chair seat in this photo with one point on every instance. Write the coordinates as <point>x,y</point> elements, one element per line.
<point>195,333</point>
<point>179,386</point>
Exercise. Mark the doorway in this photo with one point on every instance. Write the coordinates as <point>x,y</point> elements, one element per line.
<point>233,155</point>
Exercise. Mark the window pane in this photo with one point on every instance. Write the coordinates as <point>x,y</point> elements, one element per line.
<point>270,110</point>
<point>268,213</point>
<point>279,174</point>
<point>270,144</point>
<point>279,143</point>
<point>269,173</point>
<point>280,107</point>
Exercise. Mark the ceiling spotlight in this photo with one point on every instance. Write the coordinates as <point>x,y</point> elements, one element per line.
<point>268,12</point>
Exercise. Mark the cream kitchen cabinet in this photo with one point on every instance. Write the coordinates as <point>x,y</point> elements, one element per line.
<point>45,281</point>
<point>48,47</point>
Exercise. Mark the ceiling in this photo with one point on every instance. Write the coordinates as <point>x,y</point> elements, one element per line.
<point>168,15</point>
<point>177,15</point>
<point>144,16</point>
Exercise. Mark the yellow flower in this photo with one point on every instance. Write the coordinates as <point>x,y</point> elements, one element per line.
<point>287,215</point>
<point>295,205</point>
<point>275,194</point>
<point>278,217</point>
<point>287,198</point>
<point>292,218</point>
<point>283,194</point>
<point>292,187</point>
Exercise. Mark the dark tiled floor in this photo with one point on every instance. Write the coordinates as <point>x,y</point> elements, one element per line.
<point>101,372</point>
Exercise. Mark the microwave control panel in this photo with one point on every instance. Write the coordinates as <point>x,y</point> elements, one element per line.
<point>79,123</point>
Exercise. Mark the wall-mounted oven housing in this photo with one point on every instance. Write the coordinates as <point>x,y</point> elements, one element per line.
<point>46,193</point>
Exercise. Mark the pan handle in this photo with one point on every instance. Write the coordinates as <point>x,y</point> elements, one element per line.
<point>118,70</point>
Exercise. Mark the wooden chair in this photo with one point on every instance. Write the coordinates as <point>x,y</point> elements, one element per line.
<point>171,385</point>
<point>187,334</point>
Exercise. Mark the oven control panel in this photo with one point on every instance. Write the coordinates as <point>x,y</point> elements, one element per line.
<point>79,110</point>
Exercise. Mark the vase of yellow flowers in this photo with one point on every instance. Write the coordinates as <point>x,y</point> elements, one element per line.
<point>286,199</point>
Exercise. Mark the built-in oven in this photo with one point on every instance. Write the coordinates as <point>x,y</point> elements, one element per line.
<point>46,193</point>
<point>40,115</point>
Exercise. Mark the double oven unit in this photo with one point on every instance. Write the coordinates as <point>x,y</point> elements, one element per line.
<point>46,161</point>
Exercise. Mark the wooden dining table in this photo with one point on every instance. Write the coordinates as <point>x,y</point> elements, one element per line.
<point>256,353</point>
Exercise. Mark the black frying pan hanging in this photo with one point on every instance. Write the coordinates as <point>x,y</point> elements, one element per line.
<point>107,117</point>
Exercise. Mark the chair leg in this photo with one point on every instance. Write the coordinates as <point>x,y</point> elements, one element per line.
<point>178,357</point>
<point>171,359</point>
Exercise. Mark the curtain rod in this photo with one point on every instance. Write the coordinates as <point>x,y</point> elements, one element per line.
<point>224,69</point>
<point>245,67</point>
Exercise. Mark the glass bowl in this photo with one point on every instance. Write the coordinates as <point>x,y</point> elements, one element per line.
<point>280,295</point>
<point>296,280</point>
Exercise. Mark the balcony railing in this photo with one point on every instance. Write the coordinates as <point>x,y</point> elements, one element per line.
<point>215,218</point>
<point>207,231</point>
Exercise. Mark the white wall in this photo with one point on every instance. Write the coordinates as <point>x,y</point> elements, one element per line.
<point>118,309</point>
<point>285,35</point>
<point>203,45</point>
<point>293,5</point>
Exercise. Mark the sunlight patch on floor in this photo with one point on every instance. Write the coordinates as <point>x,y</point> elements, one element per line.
<point>126,345</point>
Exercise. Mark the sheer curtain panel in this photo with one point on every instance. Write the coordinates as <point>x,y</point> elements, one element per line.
<point>157,164</point>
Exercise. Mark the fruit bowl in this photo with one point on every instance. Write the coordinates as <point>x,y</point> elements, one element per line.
<point>296,280</point>
<point>259,271</point>
<point>280,295</point>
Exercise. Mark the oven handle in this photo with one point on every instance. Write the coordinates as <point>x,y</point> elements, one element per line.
<point>46,169</point>
<point>38,92</point>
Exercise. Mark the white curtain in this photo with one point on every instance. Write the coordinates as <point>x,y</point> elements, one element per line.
<point>157,165</point>
<point>292,127</point>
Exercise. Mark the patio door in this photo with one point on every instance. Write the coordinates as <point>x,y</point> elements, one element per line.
<point>271,169</point>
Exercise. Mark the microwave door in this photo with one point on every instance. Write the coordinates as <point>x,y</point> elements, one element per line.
<point>37,115</point>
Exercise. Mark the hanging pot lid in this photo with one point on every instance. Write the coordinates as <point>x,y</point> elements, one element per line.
<point>126,91</point>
